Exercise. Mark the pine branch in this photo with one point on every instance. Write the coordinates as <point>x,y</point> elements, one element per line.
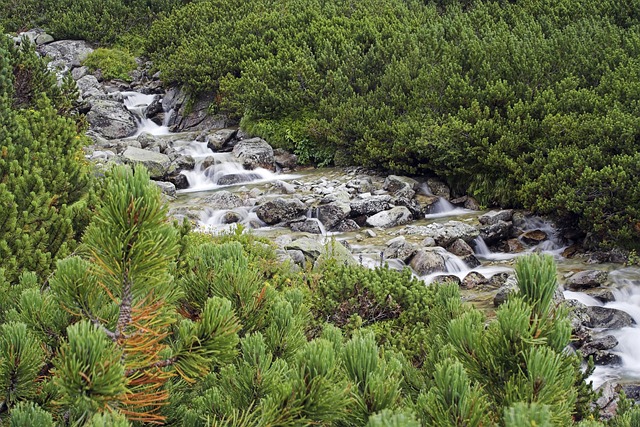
<point>159,364</point>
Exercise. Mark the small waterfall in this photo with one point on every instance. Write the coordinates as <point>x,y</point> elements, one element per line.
<point>215,170</point>
<point>483,252</point>
<point>312,215</point>
<point>137,103</point>
<point>443,208</point>
<point>424,189</point>
<point>455,264</point>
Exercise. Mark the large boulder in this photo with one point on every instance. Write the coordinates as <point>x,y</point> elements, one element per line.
<point>111,119</point>
<point>308,246</point>
<point>370,205</point>
<point>439,188</point>
<point>280,210</point>
<point>157,164</point>
<point>401,186</point>
<point>336,252</point>
<point>65,55</point>
<point>332,214</point>
<point>217,140</point>
<point>191,114</point>
<point>586,279</point>
<point>309,225</point>
<point>606,318</point>
<point>90,87</point>
<point>494,233</point>
<point>255,153</point>
<point>446,233</point>
<point>399,215</point>
<point>427,261</point>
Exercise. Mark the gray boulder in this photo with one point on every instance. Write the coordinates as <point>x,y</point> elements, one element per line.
<point>309,225</point>
<point>255,153</point>
<point>346,226</point>
<point>461,248</point>
<point>586,279</point>
<point>427,261</point>
<point>399,248</point>
<point>65,55</point>
<point>370,205</point>
<point>493,217</point>
<point>606,318</point>
<point>285,159</point>
<point>167,188</point>
<point>446,233</point>
<point>494,233</point>
<point>400,186</point>
<point>332,214</point>
<point>280,210</point>
<point>218,139</point>
<point>361,185</point>
<point>439,188</point>
<point>111,119</point>
<point>156,163</point>
<point>473,280</point>
<point>90,87</point>
<point>399,215</point>
<point>223,200</point>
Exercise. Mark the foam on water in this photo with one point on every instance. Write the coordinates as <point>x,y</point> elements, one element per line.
<point>137,103</point>
<point>443,208</point>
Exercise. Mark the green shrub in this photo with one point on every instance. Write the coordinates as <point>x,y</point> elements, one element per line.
<point>114,63</point>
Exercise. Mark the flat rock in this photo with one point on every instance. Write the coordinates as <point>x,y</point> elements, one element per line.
<point>533,237</point>
<point>218,139</point>
<point>493,217</point>
<point>399,215</point>
<point>494,233</point>
<point>586,279</point>
<point>156,163</point>
<point>223,200</point>
<point>446,233</point>
<point>310,225</point>
<point>370,205</point>
<point>473,280</point>
<point>399,248</point>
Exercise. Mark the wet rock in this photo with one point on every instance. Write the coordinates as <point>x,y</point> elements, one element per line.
<point>237,178</point>
<point>370,205</point>
<point>231,217</point>
<point>460,247</point>
<point>608,400</point>
<point>399,248</point>
<point>603,343</point>
<point>154,108</point>
<point>513,246</point>
<point>533,237</point>
<point>394,184</point>
<point>399,215</point>
<point>156,163</point>
<point>439,188</point>
<point>586,279</point>
<point>606,358</point>
<point>471,261</point>
<point>297,256</point>
<point>255,153</point>
<point>192,114</point>
<point>495,233</point>
<point>632,391</point>
<point>167,188</point>
<point>606,318</point>
<point>111,119</point>
<point>498,280</point>
<point>446,233</point>
<point>332,214</point>
<point>473,280</point>
<point>346,226</point>
<point>427,261</point>
<point>217,140</point>
<point>604,295</point>
<point>179,180</point>
<point>571,251</point>
<point>181,162</point>
<point>494,217</point>
<point>285,160</point>
<point>307,226</point>
<point>280,210</point>
<point>223,200</point>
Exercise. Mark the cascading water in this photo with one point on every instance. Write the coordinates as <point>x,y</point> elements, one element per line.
<point>626,291</point>
<point>482,251</point>
<point>443,208</point>
<point>137,103</point>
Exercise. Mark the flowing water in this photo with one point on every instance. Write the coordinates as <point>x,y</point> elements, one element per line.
<point>215,171</point>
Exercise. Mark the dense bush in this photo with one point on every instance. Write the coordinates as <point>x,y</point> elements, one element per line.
<point>103,21</point>
<point>113,63</point>
<point>528,104</point>
<point>43,179</point>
